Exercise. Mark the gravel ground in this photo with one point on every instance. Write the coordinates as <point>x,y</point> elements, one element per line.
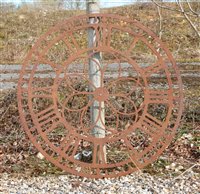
<point>134,183</point>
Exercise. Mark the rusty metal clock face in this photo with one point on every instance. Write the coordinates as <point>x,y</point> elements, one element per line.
<point>139,93</point>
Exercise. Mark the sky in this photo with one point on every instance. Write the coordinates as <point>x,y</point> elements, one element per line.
<point>103,3</point>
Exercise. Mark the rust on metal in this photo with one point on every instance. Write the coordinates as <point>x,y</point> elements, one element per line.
<point>140,89</point>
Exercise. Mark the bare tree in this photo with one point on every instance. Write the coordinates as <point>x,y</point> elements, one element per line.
<point>188,12</point>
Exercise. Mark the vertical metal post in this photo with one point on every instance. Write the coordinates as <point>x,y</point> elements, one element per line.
<point>95,74</point>
<point>97,112</point>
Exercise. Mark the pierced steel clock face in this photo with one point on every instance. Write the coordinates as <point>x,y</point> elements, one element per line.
<point>138,97</point>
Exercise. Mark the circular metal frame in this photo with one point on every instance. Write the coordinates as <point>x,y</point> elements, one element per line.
<point>142,102</point>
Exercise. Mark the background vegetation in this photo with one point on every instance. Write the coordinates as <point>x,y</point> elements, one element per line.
<point>21,27</point>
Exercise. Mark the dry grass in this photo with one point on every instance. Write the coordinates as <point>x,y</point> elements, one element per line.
<point>22,27</point>
<point>17,155</point>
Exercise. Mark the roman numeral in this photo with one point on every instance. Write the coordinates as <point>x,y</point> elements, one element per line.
<point>45,89</point>
<point>42,92</point>
<point>33,130</point>
<point>150,124</point>
<point>44,60</point>
<point>71,42</point>
<point>46,116</point>
<point>41,96</point>
<point>129,145</point>
<point>132,44</point>
<point>74,148</point>
<point>103,36</point>
<point>153,68</point>
<point>70,145</point>
<point>68,44</point>
<point>158,96</point>
<point>99,154</point>
<point>53,126</point>
<point>41,58</point>
<point>106,36</point>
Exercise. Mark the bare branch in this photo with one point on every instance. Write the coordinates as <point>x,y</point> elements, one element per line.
<point>187,18</point>
<point>160,22</point>
<point>190,7</point>
<point>170,8</point>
